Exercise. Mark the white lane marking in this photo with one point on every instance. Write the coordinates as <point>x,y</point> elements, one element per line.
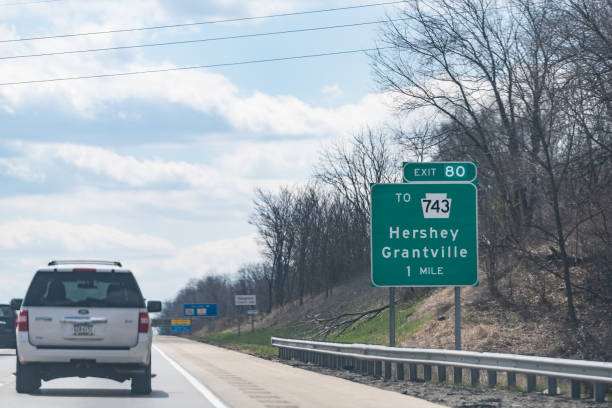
<point>212,398</point>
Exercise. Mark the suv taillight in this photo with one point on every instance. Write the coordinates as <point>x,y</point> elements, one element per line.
<point>143,323</point>
<point>22,321</point>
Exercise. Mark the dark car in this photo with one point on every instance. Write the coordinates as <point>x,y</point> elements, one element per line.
<point>7,326</point>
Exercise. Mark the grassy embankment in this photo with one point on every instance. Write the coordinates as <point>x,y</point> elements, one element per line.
<point>373,331</point>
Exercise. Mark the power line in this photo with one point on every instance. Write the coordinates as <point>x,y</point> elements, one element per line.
<point>231,37</point>
<point>227,64</point>
<point>229,20</point>
<point>25,3</point>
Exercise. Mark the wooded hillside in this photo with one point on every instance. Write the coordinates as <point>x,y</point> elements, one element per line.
<point>523,88</point>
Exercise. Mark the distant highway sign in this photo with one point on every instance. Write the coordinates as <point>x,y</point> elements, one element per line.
<point>180,329</point>
<point>180,322</point>
<point>200,310</point>
<point>180,326</point>
<point>245,300</point>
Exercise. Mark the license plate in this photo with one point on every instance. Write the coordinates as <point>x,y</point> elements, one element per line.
<point>83,329</point>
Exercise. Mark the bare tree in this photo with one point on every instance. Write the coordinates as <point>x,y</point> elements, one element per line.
<point>500,76</point>
<point>350,168</point>
<point>273,219</point>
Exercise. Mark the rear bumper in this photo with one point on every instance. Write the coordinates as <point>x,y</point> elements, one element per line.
<point>139,355</point>
<point>87,368</point>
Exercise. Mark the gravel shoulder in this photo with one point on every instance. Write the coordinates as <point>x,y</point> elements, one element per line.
<point>456,396</point>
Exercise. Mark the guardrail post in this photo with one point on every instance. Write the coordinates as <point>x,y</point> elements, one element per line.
<point>427,372</point>
<point>371,368</point>
<point>575,389</point>
<point>364,367</point>
<point>511,379</point>
<point>552,386</point>
<point>387,370</point>
<point>474,376</point>
<point>399,371</point>
<point>412,372</point>
<point>491,378</point>
<point>378,369</point>
<point>457,375</point>
<point>599,391</point>
<point>531,382</point>
<point>441,373</point>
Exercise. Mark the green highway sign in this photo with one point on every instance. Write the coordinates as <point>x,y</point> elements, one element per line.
<point>440,172</point>
<point>424,234</point>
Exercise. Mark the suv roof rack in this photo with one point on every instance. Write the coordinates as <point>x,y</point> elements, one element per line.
<point>114,263</point>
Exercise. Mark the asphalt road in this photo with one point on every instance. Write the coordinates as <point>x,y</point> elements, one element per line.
<point>192,374</point>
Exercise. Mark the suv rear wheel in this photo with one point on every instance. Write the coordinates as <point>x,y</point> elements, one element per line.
<point>28,379</point>
<point>141,384</point>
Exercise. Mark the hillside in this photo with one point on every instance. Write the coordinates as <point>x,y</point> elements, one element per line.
<point>428,322</point>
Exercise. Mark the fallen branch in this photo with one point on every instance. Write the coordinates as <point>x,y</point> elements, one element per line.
<point>341,323</point>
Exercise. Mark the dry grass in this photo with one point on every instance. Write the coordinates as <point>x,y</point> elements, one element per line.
<point>533,324</point>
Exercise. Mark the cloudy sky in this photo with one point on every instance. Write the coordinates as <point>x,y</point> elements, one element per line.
<point>158,170</point>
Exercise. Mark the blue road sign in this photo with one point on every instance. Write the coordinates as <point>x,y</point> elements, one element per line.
<point>200,310</point>
<point>180,329</point>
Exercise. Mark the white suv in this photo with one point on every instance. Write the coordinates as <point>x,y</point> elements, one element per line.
<point>85,319</point>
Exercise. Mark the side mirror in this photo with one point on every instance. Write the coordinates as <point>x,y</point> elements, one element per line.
<point>16,304</point>
<point>154,306</point>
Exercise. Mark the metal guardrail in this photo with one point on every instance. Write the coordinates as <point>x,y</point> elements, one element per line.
<point>341,355</point>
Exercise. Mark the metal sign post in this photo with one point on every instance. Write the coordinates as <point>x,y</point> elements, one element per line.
<point>457,318</point>
<point>252,313</point>
<point>391,317</point>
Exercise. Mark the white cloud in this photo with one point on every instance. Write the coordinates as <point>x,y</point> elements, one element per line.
<point>161,268</point>
<point>20,234</point>
<point>20,169</point>
<point>332,90</point>
<point>221,256</point>
<point>203,91</point>
<point>241,168</point>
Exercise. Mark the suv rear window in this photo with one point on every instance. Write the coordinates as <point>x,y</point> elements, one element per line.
<point>6,311</point>
<point>91,289</point>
